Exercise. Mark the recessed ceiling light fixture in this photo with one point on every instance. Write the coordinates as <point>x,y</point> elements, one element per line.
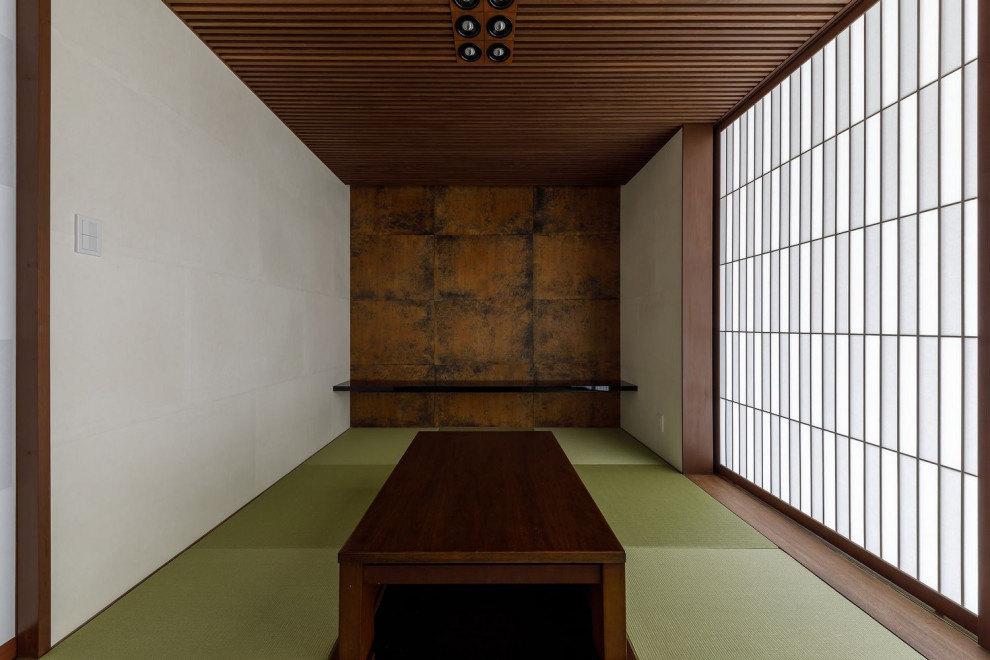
<point>469,52</point>
<point>499,26</point>
<point>484,31</point>
<point>468,26</point>
<point>498,53</point>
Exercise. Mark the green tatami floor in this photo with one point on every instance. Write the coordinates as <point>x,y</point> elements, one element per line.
<point>700,582</point>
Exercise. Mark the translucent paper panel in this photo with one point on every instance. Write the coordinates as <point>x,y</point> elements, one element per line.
<point>889,505</point>
<point>971,566</point>
<point>889,257</point>
<point>950,387</point>
<point>890,29</point>
<point>969,132</point>
<point>908,396</point>
<point>928,506</point>
<point>908,42</point>
<point>857,504</point>
<point>890,141</point>
<point>908,171</point>
<point>873,173</point>
<point>950,136</point>
<point>970,406</point>
<point>849,261</point>
<point>908,516</point>
<point>928,273</point>
<point>950,534</point>
<point>888,392</point>
<point>907,283</point>
<point>928,158</point>
<point>950,270</point>
<point>928,41</point>
<point>928,398</point>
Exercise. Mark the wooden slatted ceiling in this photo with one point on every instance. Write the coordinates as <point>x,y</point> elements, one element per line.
<point>596,88</point>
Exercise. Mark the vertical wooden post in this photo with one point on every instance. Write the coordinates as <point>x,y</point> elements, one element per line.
<point>697,295</point>
<point>983,192</point>
<point>33,542</point>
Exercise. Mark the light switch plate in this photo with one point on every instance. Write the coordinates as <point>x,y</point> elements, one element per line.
<point>88,236</point>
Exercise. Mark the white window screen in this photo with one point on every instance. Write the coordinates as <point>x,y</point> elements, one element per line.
<point>848,272</point>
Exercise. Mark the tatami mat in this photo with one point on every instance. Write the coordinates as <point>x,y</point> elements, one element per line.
<point>314,506</point>
<point>366,447</point>
<point>735,604</point>
<point>603,447</point>
<point>654,505</point>
<point>220,604</point>
<point>700,582</point>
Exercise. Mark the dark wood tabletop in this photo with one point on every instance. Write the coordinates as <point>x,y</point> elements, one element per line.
<point>483,497</point>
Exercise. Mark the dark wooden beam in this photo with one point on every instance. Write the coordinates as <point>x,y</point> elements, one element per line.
<point>983,193</point>
<point>33,601</point>
<point>697,293</point>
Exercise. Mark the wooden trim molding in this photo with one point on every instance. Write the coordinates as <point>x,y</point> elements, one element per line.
<point>983,193</point>
<point>33,542</point>
<point>697,288</point>
<point>829,31</point>
<point>926,633</point>
<point>942,605</point>
<point>9,650</point>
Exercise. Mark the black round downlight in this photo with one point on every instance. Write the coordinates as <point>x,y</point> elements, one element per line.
<point>468,26</point>
<point>500,4</point>
<point>469,52</point>
<point>498,52</point>
<point>499,27</point>
<point>466,4</point>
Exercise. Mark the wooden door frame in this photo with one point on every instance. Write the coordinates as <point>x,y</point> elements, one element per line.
<point>33,419</point>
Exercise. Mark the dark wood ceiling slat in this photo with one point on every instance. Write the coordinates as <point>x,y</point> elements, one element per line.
<point>595,88</point>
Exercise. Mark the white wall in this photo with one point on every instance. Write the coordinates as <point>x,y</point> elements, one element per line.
<point>7,299</point>
<point>650,281</point>
<point>192,363</point>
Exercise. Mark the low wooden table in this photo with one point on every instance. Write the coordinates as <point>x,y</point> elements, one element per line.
<point>485,507</point>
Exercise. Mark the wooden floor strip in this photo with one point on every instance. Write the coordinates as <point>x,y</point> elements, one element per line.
<point>928,634</point>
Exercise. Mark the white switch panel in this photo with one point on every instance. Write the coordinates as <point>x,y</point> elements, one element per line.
<point>88,236</point>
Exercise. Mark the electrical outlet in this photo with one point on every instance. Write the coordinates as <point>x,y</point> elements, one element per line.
<point>660,421</point>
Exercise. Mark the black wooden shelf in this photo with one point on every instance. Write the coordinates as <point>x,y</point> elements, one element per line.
<point>391,386</point>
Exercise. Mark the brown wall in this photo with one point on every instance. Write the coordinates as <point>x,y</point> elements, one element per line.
<point>484,284</point>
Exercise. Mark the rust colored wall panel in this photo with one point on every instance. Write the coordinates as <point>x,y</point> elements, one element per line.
<point>391,332</point>
<point>484,267</point>
<point>506,409</point>
<point>576,210</point>
<point>576,266</point>
<point>447,286</point>
<point>467,210</point>
<point>405,373</point>
<point>485,373</point>
<point>563,409</point>
<point>498,330</point>
<point>405,409</point>
<point>568,331</point>
<point>392,209</point>
<point>576,372</point>
<point>386,267</point>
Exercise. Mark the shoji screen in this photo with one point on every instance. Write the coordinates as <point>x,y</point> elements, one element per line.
<point>849,290</point>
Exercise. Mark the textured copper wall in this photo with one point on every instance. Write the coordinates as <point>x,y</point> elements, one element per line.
<point>484,284</point>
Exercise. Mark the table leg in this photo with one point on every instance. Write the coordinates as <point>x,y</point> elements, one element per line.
<point>357,613</point>
<point>608,606</point>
